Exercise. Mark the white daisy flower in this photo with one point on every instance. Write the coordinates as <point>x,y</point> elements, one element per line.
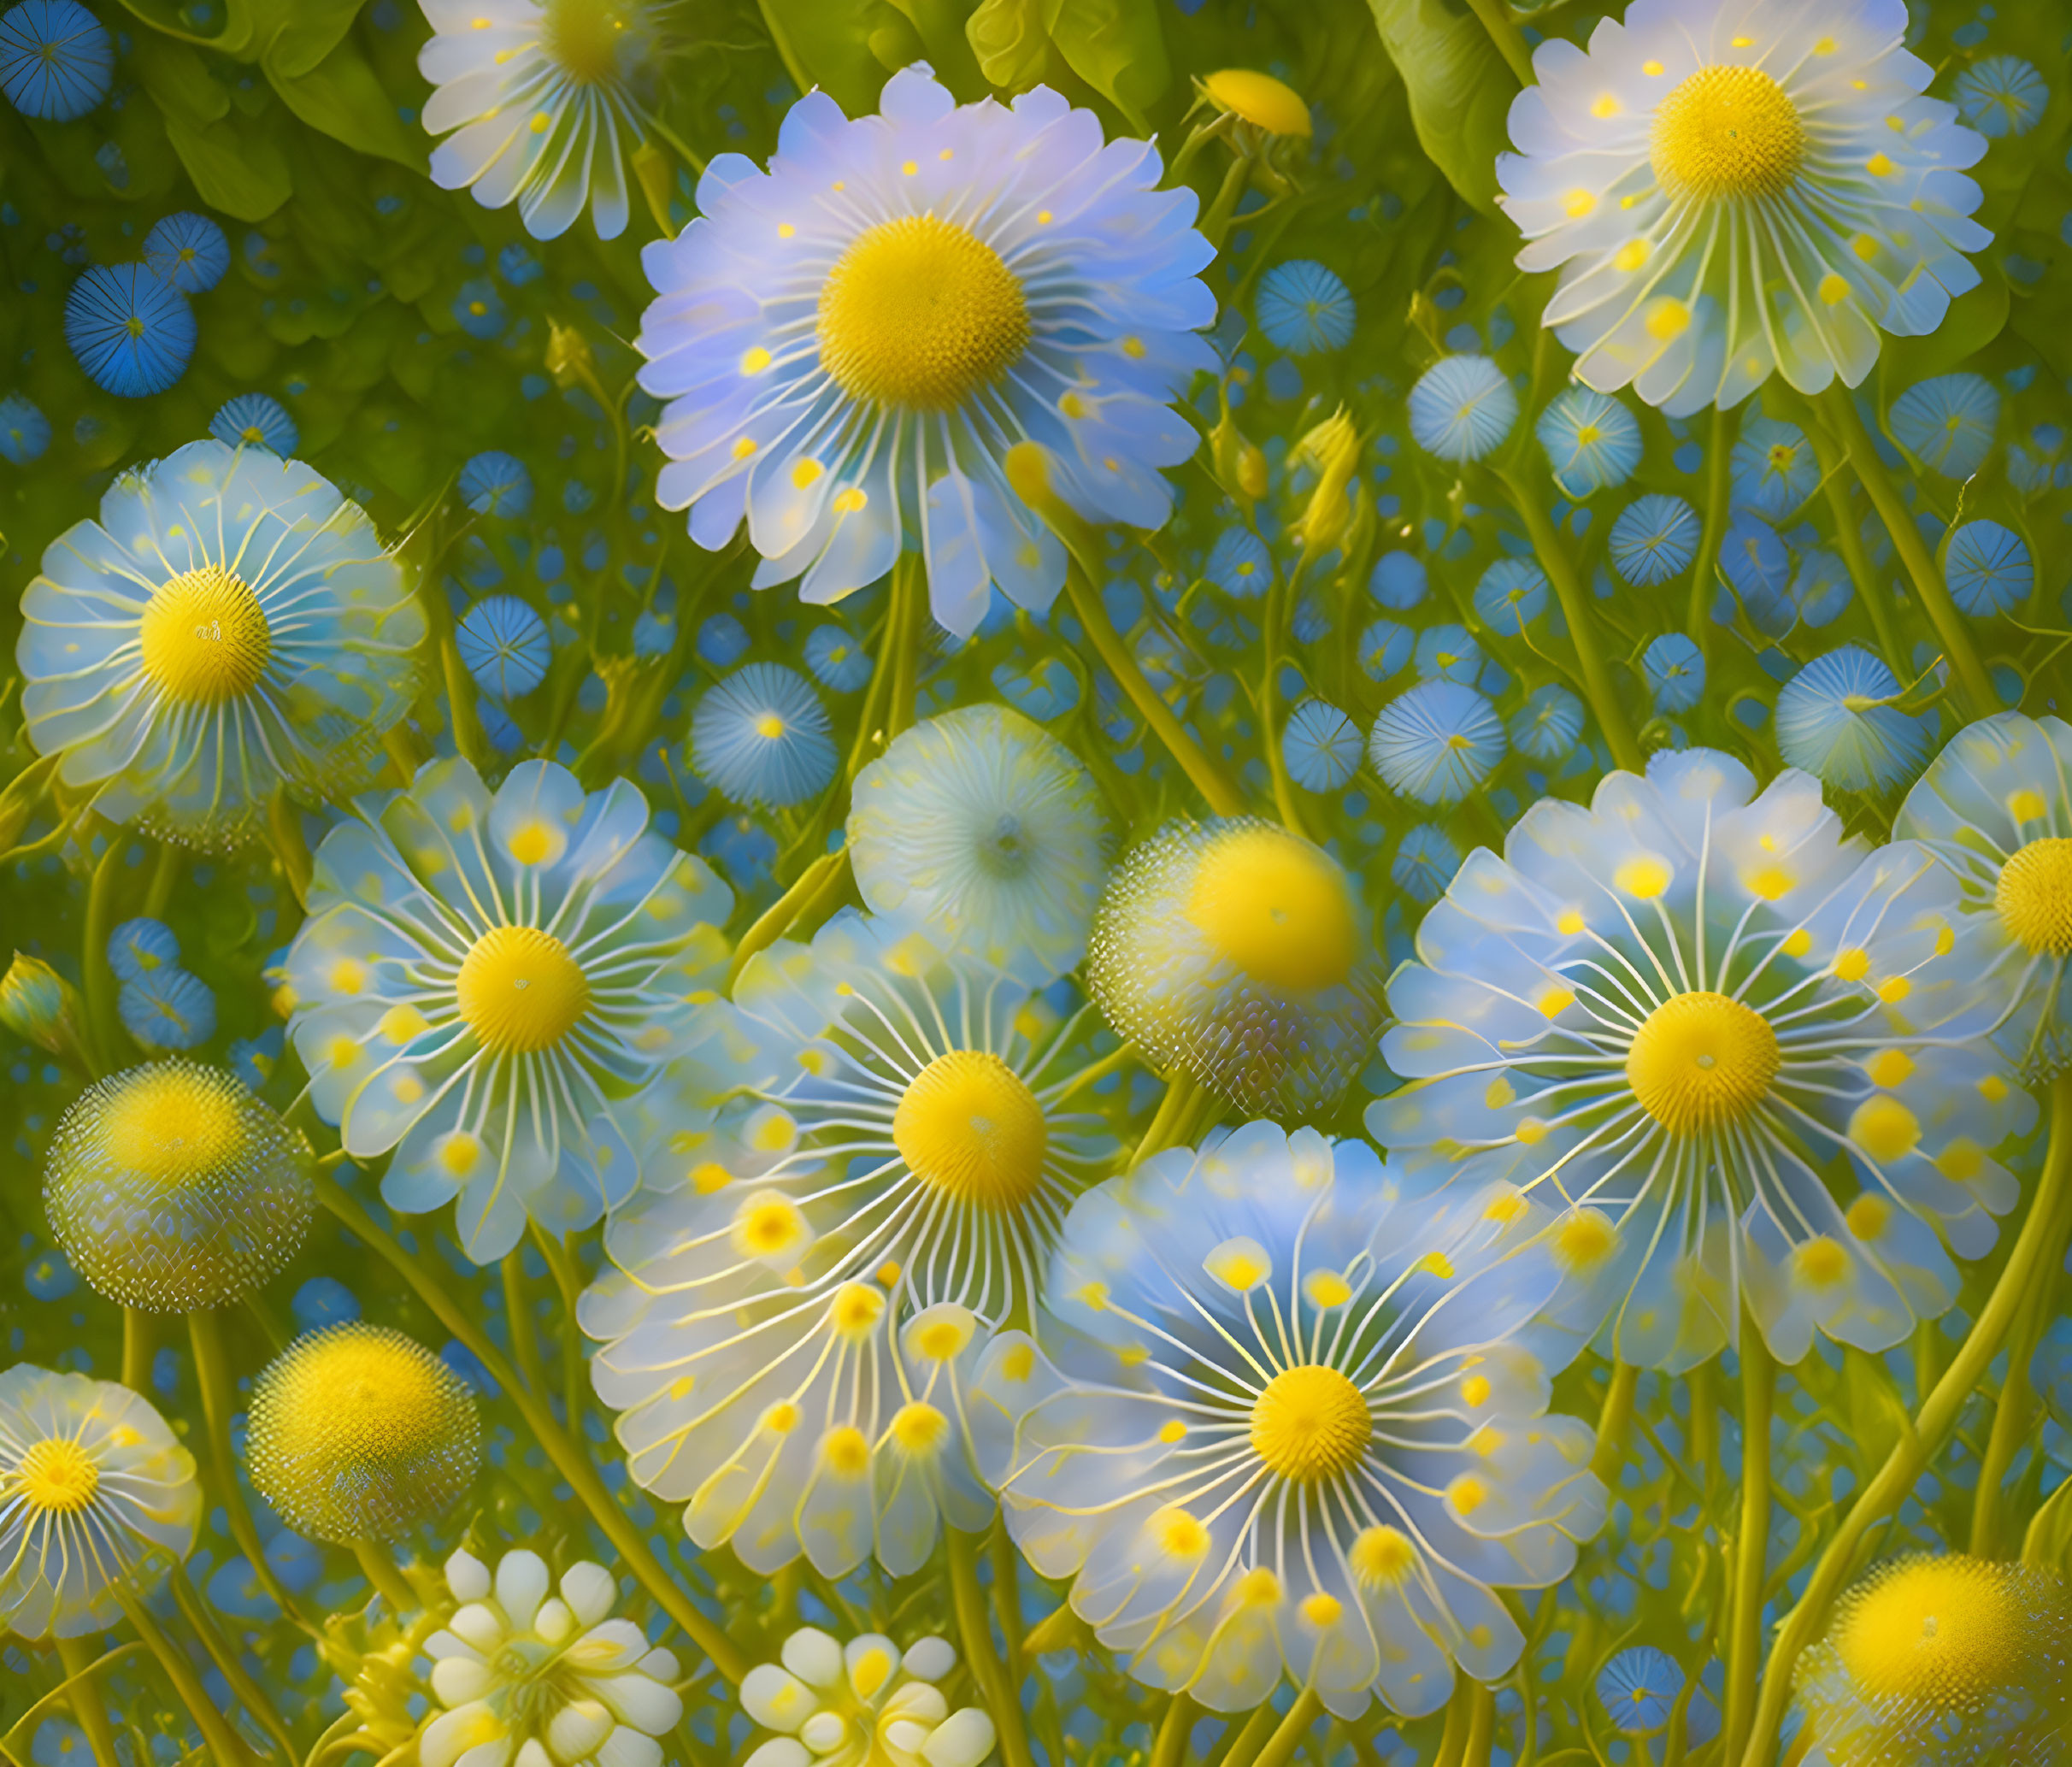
<point>862,1705</point>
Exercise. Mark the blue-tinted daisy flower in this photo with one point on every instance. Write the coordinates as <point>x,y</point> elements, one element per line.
<point>56,59</point>
<point>132,334</point>
<point>1654,539</point>
<point>1240,563</point>
<point>503,644</point>
<point>1397,582</point>
<point>1436,743</point>
<point>254,420</point>
<point>1774,466</point>
<point>760,736</point>
<point>1321,746</point>
<point>984,830</point>
<point>25,431</point>
<point>1302,1429</point>
<point>723,640</point>
<point>1462,407</point>
<point>1511,594</point>
<point>535,98</point>
<point>1755,559</point>
<point>838,659</point>
<point>1674,670</point>
<point>168,1008</point>
<point>2002,95</point>
<point>482,982</point>
<point>1637,1689</point>
<point>1304,309</point>
<point>1988,569</point>
<point>1821,588</point>
<point>188,251</point>
<point>1386,648</point>
<point>1833,720</point>
<point>229,626</point>
<point>844,1196</point>
<point>1743,1054</point>
<point>1448,653</point>
<point>1426,860</point>
<point>1948,423</point>
<point>1548,725</point>
<point>494,483</point>
<point>1592,442</point>
<point>852,376</point>
<point>139,948</point>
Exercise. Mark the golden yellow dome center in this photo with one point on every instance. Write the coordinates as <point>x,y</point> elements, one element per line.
<point>1728,132</point>
<point>56,1476</point>
<point>969,1125</point>
<point>1276,907</point>
<point>360,1398</point>
<point>168,1124</point>
<point>1701,1061</point>
<point>1311,1422</point>
<point>520,990</point>
<point>2034,897</point>
<point>204,637</point>
<point>585,39</point>
<point>1259,99</point>
<point>1945,1630</point>
<point>921,313</point>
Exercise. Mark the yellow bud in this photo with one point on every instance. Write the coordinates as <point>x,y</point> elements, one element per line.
<point>569,358</point>
<point>1333,447</point>
<point>39,1004</point>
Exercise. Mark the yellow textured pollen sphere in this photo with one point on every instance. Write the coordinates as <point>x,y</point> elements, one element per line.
<point>520,990</point>
<point>1260,100</point>
<point>1942,1628</point>
<point>585,37</point>
<point>1726,132</point>
<point>1701,1061</point>
<point>921,313</point>
<point>359,1432</point>
<point>1311,1422</point>
<point>204,637</point>
<point>2034,897</point>
<point>57,1477</point>
<point>969,1125</point>
<point>1278,908</point>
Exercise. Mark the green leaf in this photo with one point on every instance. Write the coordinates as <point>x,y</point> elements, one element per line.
<point>1459,87</point>
<point>290,35</point>
<point>1118,48</point>
<point>234,166</point>
<point>827,44</point>
<point>179,80</point>
<point>939,25</point>
<point>1009,42</point>
<point>341,97</point>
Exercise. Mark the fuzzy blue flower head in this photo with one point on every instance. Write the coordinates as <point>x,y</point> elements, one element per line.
<point>1637,1689</point>
<point>2002,95</point>
<point>1773,466</point>
<point>1836,720</point>
<point>1674,670</point>
<point>1948,423</point>
<point>1510,595</point>
<point>503,644</point>
<point>254,420</point>
<point>1438,742</point>
<point>25,431</point>
<point>850,376</point>
<point>170,1009</point>
<point>1321,747</point>
<point>1988,569</point>
<point>1240,564</point>
<point>132,334</point>
<point>188,251</point>
<point>1547,727</point>
<point>760,736</point>
<point>56,59</point>
<point>1462,407</point>
<point>837,662</point>
<point>1305,308</point>
<point>1426,860</point>
<point>494,483</point>
<point>1592,442</point>
<point>1654,539</point>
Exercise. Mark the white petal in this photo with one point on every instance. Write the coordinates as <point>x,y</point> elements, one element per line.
<point>812,1657</point>
<point>467,1576</point>
<point>521,1585</point>
<point>930,1659</point>
<point>964,1740</point>
<point>578,1729</point>
<point>589,1590</point>
<point>774,1699</point>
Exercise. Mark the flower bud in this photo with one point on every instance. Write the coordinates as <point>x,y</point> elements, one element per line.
<point>37,1003</point>
<point>1333,447</point>
<point>569,358</point>
<point>1239,463</point>
<point>1268,104</point>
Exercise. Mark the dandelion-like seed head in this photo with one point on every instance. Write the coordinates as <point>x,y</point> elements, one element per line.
<point>1943,1629</point>
<point>359,1433</point>
<point>1277,908</point>
<point>172,1188</point>
<point>1728,132</point>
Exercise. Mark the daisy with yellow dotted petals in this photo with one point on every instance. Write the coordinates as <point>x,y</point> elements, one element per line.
<point>1746,1055</point>
<point>815,1265</point>
<point>852,341</point>
<point>230,626</point>
<point>96,1493</point>
<point>483,980</point>
<point>1297,1424</point>
<point>1734,187</point>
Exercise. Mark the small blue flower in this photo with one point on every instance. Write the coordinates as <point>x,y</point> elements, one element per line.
<point>1462,407</point>
<point>254,1059</point>
<point>1239,564</point>
<point>25,431</point>
<point>1988,567</point>
<point>1511,595</point>
<point>1820,588</point>
<point>1397,580</point>
<point>723,640</point>
<point>1546,726</point>
<point>1386,648</point>
<point>839,661</point>
<point>1830,722</point>
<point>323,1300</point>
<point>1592,441</point>
<point>1437,742</point>
<point>1448,653</point>
<point>132,334</point>
<point>188,251</point>
<point>478,309</point>
<point>742,848</point>
<point>2002,95</point>
<point>1304,309</point>
<point>168,1008</point>
<point>1654,539</point>
<point>1676,670</point>
<point>1774,468</point>
<point>1425,863</point>
<point>1637,1689</point>
<point>1948,423</point>
<point>494,483</point>
<point>141,947</point>
<point>504,735</point>
<point>1321,747</point>
<point>253,420</point>
<point>503,642</point>
<point>762,737</point>
<point>56,59</point>
<point>1758,563</point>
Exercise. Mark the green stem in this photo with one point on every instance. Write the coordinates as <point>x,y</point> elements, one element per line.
<point>776,920</point>
<point>1974,684</point>
<point>1613,1418</point>
<point>84,1700</point>
<point>1181,1093</point>
<point>518,1314</point>
<point>1288,1735</point>
<point>165,874</point>
<point>1453,1740</point>
<point>572,1462</point>
<point>1718,457</point>
<point>903,630</point>
<point>258,1706</point>
<point>2037,1250</point>
<point>211,1374</point>
<point>105,1036</point>
<point>285,836</point>
<point>568,1281</point>
<point>222,1742</point>
<point>2010,1420</point>
<point>1503,28</point>
<point>1270,703</point>
<point>1007,1594</point>
<point>1244,1743</point>
<point>1224,204</point>
<point>386,1575</point>
<point>136,1348</point>
<point>1849,542</point>
<point>1751,1539</point>
<point>1481,1726</point>
<point>1171,1748</point>
<point>1001,1693</point>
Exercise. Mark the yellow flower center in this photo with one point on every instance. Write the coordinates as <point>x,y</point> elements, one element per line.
<point>1260,100</point>
<point>1278,908</point>
<point>920,312</point>
<point>518,989</point>
<point>1726,133</point>
<point>56,1477</point>
<point>969,1125</point>
<point>1700,1062</point>
<point>2034,896</point>
<point>166,1125</point>
<point>1311,1423</point>
<point>1945,1630</point>
<point>585,38</point>
<point>204,637</point>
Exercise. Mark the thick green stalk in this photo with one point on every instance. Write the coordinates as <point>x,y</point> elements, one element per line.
<point>1170,1750</point>
<point>908,622</point>
<point>1503,28</point>
<point>84,1696</point>
<point>224,1653</point>
<point>1698,620</point>
<point>223,1742</point>
<point>1243,1743</point>
<point>1275,619</point>
<point>386,1575</point>
<point>1001,1695</point>
<point>136,1348</point>
<point>776,920</point>
<point>106,1040</point>
<point>2010,1422</point>
<point>211,1374</point>
<point>1849,542</point>
<point>1287,1736</point>
<point>1751,1539</point>
<point>1481,1726</point>
<point>1612,1421</point>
